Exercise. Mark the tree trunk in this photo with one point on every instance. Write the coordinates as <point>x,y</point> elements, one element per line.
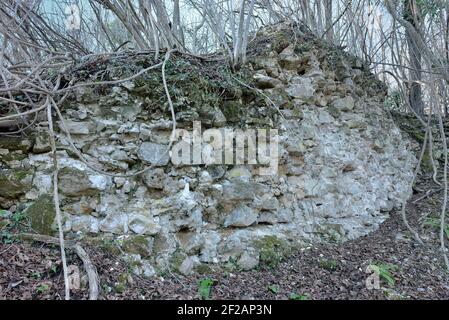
<point>328,18</point>
<point>412,15</point>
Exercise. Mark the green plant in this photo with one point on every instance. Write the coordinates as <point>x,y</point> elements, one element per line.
<point>54,268</point>
<point>9,223</point>
<point>273,288</point>
<point>384,272</point>
<point>294,296</point>
<point>330,265</point>
<point>4,214</point>
<point>435,223</point>
<point>6,237</point>
<point>205,287</point>
<point>42,288</point>
<point>18,217</point>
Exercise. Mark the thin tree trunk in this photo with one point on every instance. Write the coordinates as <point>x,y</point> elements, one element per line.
<point>329,24</point>
<point>411,14</point>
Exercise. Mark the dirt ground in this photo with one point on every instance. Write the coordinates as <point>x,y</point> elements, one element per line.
<point>339,271</point>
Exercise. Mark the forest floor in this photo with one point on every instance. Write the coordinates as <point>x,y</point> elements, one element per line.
<point>339,271</point>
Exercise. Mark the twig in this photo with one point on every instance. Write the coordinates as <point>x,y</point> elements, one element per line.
<point>90,270</point>
<point>428,194</point>
<point>56,200</point>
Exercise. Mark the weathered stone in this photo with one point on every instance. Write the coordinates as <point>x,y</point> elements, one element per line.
<point>115,222</point>
<point>189,242</point>
<point>268,64</point>
<point>242,216</point>
<point>288,59</point>
<point>341,167</point>
<point>15,143</point>
<point>143,224</point>
<point>248,261</point>
<point>266,202</point>
<point>41,214</point>
<point>266,82</point>
<point>154,178</point>
<point>74,182</point>
<point>14,182</point>
<point>188,265</point>
<point>267,217</point>
<point>77,128</point>
<point>300,88</point>
<point>85,224</point>
<point>139,244</point>
<point>153,153</point>
<point>344,104</point>
<point>42,142</point>
<point>240,172</point>
<point>238,190</point>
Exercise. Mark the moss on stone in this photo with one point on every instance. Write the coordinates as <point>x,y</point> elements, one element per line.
<point>161,244</point>
<point>15,182</point>
<point>232,110</point>
<point>204,268</point>
<point>272,250</point>
<point>138,244</point>
<point>14,156</point>
<point>3,224</point>
<point>15,143</point>
<point>105,242</point>
<point>333,111</point>
<point>177,259</point>
<point>41,214</point>
<point>426,164</point>
<point>298,113</point>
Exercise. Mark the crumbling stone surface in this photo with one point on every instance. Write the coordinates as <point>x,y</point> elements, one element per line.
<point>343,164</point>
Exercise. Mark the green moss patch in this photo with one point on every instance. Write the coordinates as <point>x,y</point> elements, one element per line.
<point>41,214</point>
<point>272,250</point>
<point>14,182</point>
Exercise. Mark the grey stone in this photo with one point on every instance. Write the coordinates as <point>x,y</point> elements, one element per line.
<point>301,88</point>
<point>143,224</point>
<point>344,104</point>
<point>153,153</point>
<point>238,190</point>
<point>41,214</point>
<point>77,128</point>
<point>248,261</point>
<point>42,142</point>
<point>154,178</point>
<point>242,216</point>
<point>188,265</point>
<point>14,182</point>
<point>74,182</point>
<point>266,82</point>
<point>115,222</point>
<point>85,224</point>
